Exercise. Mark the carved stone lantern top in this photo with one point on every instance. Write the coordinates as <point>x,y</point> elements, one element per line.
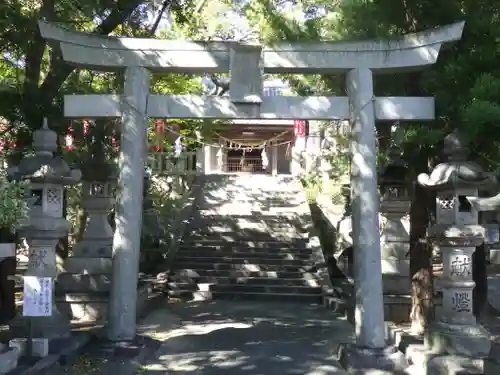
<point>455,172</point>
<point>394,185</point>
<point>43,166</point>
<point>395,173</point>
<point>456,182</point>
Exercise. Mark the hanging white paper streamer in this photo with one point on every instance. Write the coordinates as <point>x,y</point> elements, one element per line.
<point>220,158</point>
<point>178,147</point>
<point>265,160</point>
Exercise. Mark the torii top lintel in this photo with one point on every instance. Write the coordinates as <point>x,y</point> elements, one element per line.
<point>383,56</point>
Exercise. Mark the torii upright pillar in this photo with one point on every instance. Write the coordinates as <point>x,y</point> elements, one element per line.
<point>128,211</point>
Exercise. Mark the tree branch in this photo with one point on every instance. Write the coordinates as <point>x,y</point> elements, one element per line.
<point>164,6</point>
<point>33,64</point>
<point>59,70</point>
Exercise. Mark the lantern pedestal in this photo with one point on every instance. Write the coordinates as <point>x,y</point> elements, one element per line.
<point>356,359</point>
<point>43,234</point>
<point>472,340</point>
<point>456,330</point>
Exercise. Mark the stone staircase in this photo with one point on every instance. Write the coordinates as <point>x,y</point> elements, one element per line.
<point>250,240</point>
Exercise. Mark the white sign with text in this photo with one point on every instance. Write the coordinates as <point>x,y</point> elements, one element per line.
<point>37,299</point>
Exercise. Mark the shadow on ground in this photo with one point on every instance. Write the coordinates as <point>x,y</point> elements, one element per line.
<point>222,337</point>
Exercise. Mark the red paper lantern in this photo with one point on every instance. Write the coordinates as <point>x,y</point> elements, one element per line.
<point>299,127</point>
<point>159,134</point>
<point>114,143</point>
<point>69,138</point>
<point>86,126</point>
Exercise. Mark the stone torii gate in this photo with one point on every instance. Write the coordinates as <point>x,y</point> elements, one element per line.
<point>247,63</point>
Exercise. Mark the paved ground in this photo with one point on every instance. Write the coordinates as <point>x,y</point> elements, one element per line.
<point>217,338</point>
<point>222,337</point>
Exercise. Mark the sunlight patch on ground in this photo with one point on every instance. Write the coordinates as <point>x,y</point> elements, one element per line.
<point>193,329</point>
<point>196,361</point>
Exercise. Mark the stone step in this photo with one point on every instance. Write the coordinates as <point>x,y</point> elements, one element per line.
<point>274,220</point>
<point>297,244</point>
<point>295,220</point>
<point>244,280</point>
<point>214,228</point>
<point>231,273</point>
<point>89,265</point>
<point>245,235</point>
<point>316,299</point>
<point>248,253</point>
<point>195,265</point>
<point>210,214</point>
<point>181,258</point>
<point>244,238</point>
<point>80,282</point>
<point>243,288</point>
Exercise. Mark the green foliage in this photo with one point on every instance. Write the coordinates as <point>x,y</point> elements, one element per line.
<point>13,205</point>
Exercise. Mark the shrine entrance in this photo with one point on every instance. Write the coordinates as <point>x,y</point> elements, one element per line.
<point>245,161</point>
<point>248,146</point>
<point>357,61</point>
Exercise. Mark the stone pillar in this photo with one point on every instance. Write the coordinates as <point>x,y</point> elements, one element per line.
<point>200,160</point>
<point>367,265</point>
<point>274,160</point>
<point>370,350</point>
<point>296,164</point>
<point>128,217</point>
<point>220,159</point>
<point>207,159</point>
<point>457,233</point>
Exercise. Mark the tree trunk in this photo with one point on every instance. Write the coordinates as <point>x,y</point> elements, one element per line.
<point>420,253</point>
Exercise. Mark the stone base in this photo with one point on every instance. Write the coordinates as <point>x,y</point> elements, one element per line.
<point>40,346</point>
<point>56,326</point>
<point>456,339</point>
<point>8,359</point>
<point>356,359</point>
<point>426,362</point>
<point>397,308</point>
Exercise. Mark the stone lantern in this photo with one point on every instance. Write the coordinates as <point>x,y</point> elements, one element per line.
<point>492,206</point>
<point>395,238</point>
<point>48,174</point>
<point>87,275</point>
<point>98,199</point>
<point>457,234</point>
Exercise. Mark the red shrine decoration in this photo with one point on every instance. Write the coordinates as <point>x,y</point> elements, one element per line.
<point>86,126</point>
<point>69,138</point>
<point>114,143</point>
<point>299,127</point>
<point>6,144</point>
<point>159,134</point>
